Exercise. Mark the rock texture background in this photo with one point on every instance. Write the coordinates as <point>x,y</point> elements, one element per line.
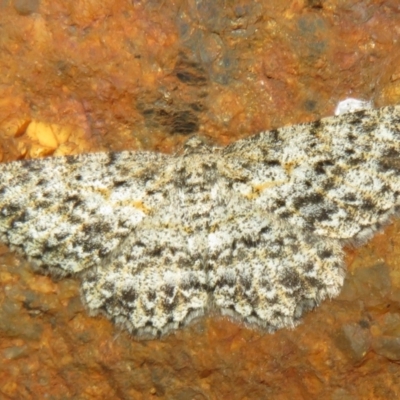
<point>86,76</point>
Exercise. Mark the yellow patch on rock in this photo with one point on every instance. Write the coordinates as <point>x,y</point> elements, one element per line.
<point>50,138</point>
<point>43,133</point>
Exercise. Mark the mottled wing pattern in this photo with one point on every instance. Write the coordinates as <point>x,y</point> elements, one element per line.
<point>338,177</point>
<point>157,280</point>
<point>68,213</point>
<point>265,273</point>
<point>253,231</point>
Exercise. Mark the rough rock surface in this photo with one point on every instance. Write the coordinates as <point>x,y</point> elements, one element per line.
<point>87,75</point>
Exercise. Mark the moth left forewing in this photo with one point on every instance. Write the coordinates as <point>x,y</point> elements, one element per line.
<point>67,213</point>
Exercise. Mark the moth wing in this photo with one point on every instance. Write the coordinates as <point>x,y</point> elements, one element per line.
<point>68,213</point>
<point>338,177</point>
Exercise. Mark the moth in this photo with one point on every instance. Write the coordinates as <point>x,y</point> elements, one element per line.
<point>254,230</point>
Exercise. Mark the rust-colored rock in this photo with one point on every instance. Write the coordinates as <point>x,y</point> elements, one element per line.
<point>112,75</point>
